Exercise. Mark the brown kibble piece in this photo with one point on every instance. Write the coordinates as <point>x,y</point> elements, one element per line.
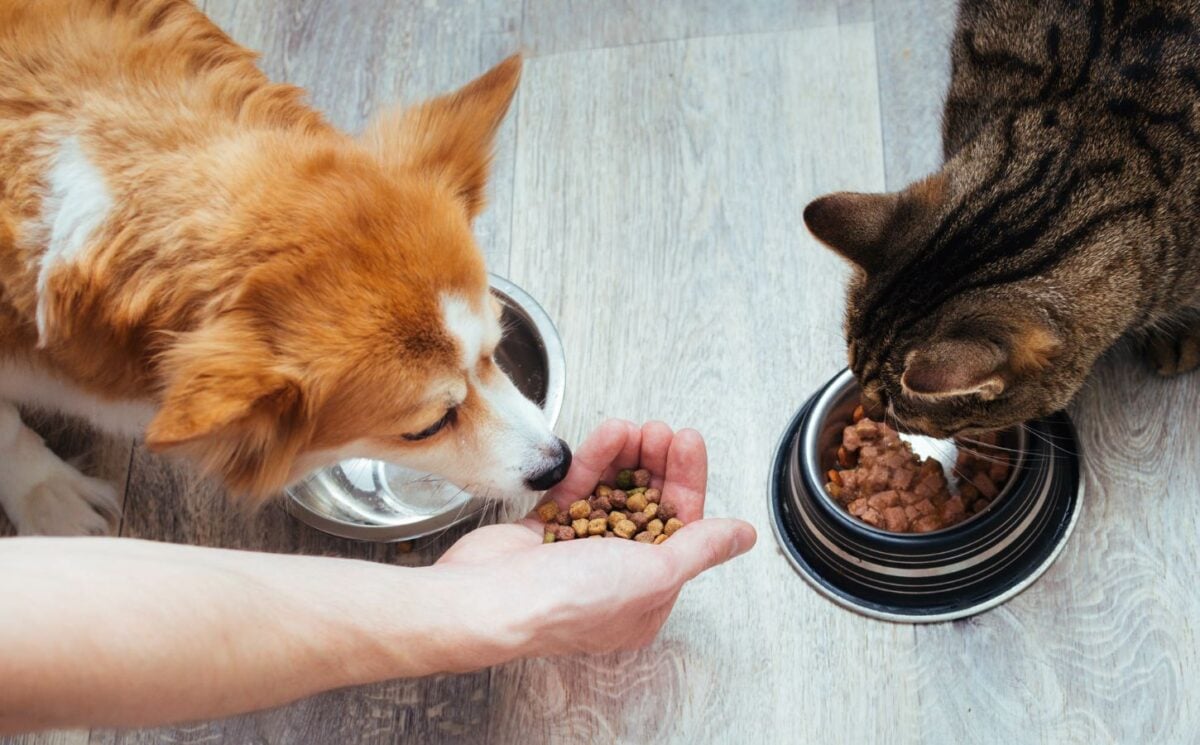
<point>654,527</point>
<point>639,519</point>
<point>580,509</point>
<point>617,498</point>
<point>641,478</point>
<point>858,414</point>
<point>597,526</point>
<point>598,514</point>
<point>653,495</point>
<point>563,518</point>
<point>636,503</point>
<point>547,511</point>
<point>667,510</point>
<point>834,476</point>
<point>564,532</point>
<point>672,525</point>
<point>580,526</point>
<point>625,529</point>
<point>644,537</point>
<point>602,503</point>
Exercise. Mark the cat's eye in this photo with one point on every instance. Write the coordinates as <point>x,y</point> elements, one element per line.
<point>434,428</point>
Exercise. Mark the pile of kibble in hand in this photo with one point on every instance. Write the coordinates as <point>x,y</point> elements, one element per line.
<point>630,509</point>
<point>883,483</point>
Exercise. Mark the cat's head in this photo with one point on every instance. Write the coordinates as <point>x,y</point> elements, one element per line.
<point>952,323</point>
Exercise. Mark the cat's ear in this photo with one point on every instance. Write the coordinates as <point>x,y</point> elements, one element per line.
<point>963,367</point>
<point>862,227</point>
<point>853,225</point>
<point>955,367</point>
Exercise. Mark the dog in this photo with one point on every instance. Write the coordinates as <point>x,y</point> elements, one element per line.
<point>192,255</point>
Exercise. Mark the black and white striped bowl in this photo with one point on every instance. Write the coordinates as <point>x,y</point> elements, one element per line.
<point>922,577</point>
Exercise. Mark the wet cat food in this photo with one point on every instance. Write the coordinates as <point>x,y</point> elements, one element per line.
<point>881,481</point>
<point>634,511</point>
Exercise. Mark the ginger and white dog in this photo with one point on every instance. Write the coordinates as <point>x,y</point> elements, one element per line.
<point>191,254</point>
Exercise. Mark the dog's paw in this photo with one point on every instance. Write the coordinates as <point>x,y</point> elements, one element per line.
<point>67,503</point>
<point>1174,352</point>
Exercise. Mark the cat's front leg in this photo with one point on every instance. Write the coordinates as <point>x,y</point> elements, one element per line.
<point>1176,349</point>
<point>42,494</point>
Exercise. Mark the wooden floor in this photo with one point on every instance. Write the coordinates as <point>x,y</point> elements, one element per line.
<point>649,191</point>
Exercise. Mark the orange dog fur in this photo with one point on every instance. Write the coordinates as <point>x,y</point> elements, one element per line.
<point>190,252</point>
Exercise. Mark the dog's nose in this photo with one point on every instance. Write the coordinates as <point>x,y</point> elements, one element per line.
<point>543,480</point>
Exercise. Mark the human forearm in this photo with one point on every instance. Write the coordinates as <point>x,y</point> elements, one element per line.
<point>121,632</point>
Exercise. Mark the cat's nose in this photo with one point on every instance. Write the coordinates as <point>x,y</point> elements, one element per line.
<point>873,402</point>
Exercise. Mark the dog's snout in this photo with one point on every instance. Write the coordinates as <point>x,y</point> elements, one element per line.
<point>555,472</point>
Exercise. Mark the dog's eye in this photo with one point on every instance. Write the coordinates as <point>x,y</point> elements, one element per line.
<point>436,427</point>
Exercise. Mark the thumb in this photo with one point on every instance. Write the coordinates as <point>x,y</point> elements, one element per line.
<point>706,543</point>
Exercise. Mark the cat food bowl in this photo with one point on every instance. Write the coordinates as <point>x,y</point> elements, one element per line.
<point>377,501</point>
<point>949,573</point>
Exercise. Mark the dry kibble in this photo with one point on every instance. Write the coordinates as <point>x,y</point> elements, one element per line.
<point>580,509</point>
<point>633,512</point>
<point>625,479</point>
<point>547,511</point>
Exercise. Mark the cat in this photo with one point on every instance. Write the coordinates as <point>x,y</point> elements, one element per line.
<point>1065,217</point>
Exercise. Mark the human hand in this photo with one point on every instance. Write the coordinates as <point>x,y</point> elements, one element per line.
<point>586,596</point>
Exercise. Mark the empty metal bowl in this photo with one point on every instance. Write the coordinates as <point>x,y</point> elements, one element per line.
<point>377,501</point>
<point>950,573</point>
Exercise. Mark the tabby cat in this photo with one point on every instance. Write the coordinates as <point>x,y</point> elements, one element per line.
<point>1066,215</point>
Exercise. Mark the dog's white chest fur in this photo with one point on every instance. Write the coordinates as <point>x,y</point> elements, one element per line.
<point>24,384</point>
<point>76,204</point>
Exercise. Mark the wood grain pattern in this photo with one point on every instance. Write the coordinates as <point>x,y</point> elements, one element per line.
<point>648,192</point>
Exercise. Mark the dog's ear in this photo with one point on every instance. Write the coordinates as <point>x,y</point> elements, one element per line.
<point>229,410</point>
<point>450,137</point>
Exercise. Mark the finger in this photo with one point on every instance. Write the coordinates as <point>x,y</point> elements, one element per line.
<point>656,441</point>
<point>686,475</point>
<point>706,543</point>
<point>628,457</point>
<point>591,460</point>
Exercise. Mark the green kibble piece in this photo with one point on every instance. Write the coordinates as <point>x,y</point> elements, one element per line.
<point>625,479</point>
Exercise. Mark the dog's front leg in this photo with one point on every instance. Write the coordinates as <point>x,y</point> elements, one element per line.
<point>42,494</point>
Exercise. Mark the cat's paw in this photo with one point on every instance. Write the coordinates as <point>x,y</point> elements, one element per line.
<point>67,503</point>
<point>1174,352</point>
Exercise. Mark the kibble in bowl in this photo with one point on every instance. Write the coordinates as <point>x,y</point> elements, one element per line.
<point>629,508</point>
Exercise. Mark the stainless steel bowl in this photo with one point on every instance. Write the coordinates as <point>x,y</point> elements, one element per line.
<point>376,501</point>
<point>950,573</point>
